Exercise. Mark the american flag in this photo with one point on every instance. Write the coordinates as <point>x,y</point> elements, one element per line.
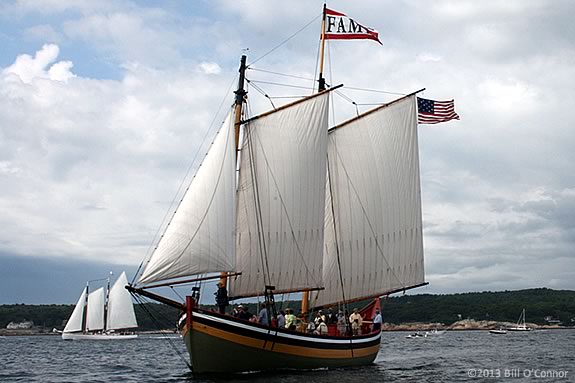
<point>434,112</point>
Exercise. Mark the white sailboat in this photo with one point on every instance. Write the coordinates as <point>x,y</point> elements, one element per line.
<point>520,326</point>
<point>95,319</point>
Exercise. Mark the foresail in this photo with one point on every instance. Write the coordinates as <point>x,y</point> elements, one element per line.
<point>375,200</point>
<point>281,195</point>
<point>120,307</point>
<point>200,237</point>
<point>95,312</point>
<point>74,324</point>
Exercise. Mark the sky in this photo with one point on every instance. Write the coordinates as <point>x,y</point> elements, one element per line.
<point>107,107</point>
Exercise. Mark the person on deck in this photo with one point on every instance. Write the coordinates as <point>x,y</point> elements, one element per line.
<point>331,317</point>
<point>321,328</point>
<point>290,320</point>
<point>221,297</point>
<point>319,316</point>
<point>243,313</point>
<point>281,319</point>
<point>263,315</point>
<point>377,321</point>
<point>310,328</point>
<point>341,325</point>
<point>356,321</point>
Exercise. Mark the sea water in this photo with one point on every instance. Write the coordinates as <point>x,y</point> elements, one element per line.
<point>456,356</point>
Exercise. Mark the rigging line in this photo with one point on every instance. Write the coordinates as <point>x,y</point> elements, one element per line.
<point>259,218</point>
<point>282,74</point>
<point>365,215</point>
<point>331,80</point>
<point>280,84</point>
<point>376,91</point>
<point>348,100</point>
<point>287,215</point>
<point>175,292</point>
<point>262,92</point>
<point>347,323</point>
<point>143,304</point>
<point>337,252</point>
<point>155,238</point>
<point>286,40</point>
<point>280,97</point>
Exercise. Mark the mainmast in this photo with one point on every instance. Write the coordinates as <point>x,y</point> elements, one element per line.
<point>85,311</point>
<point>106,301</point>
<point>320,88</point>
<point>238,104</point>
<point>321,81</point>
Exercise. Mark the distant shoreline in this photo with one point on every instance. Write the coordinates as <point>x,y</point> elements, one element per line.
<point>466,325</point>
<point>387,327</point>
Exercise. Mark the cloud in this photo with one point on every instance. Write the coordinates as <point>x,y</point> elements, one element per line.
<point>28,68</point>
<point>88,164</point>
<point>88,167</point>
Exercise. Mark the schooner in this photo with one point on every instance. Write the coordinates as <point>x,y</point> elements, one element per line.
<point>284,203</point>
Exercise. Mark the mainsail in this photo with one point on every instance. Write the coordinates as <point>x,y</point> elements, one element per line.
<point>373,206</point>
<point>200,237</point>
<point>95,312</point>
<point>74,324</point>
<point>120,313</point>
<point>281,197</point>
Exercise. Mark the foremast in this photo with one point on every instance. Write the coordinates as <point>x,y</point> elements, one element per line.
<point>241,94</point>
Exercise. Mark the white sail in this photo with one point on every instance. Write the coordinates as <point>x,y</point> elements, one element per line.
<point>74,324</point>
<point>200,237</point>
<point>120,307</point>
<point>281,195</point>
<point>95,312</point>
<point>374,194</point>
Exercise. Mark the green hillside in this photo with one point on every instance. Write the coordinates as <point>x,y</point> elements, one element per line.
<point>495,306</point>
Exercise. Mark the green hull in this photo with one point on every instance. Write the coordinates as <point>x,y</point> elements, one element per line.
<point>221,344</point>
<point>232,357</point>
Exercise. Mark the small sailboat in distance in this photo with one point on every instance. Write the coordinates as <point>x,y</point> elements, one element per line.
<point>520,326</point>
<point>97,317</point>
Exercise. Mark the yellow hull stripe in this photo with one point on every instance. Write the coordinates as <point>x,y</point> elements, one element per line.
<point>283,348</point>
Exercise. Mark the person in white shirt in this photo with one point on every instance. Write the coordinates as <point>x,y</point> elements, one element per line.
<point>377,321</point>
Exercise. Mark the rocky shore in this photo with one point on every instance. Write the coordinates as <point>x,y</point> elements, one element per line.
<point>465,324</point>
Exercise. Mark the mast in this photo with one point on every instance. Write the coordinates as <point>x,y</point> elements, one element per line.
<point>106,301</point>
<point>321,81</point>
<point>320,88</point>
<point>85,313</point>
<point>239,101</point>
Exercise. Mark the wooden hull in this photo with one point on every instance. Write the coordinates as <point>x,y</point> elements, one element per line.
<point>223,344</point>
<point>80,336</point>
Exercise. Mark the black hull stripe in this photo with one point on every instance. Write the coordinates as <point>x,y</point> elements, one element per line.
<point>275,336</point>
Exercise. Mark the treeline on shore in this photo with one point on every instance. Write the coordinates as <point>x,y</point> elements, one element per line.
<point>501,306</point>
<point>505,306</point>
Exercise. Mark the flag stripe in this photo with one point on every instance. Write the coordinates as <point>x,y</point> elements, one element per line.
<point>334,13</point>
<point>351,36</point>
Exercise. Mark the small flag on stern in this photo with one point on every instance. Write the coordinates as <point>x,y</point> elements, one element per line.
<point>434,112</point>
<point>340,27</point>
